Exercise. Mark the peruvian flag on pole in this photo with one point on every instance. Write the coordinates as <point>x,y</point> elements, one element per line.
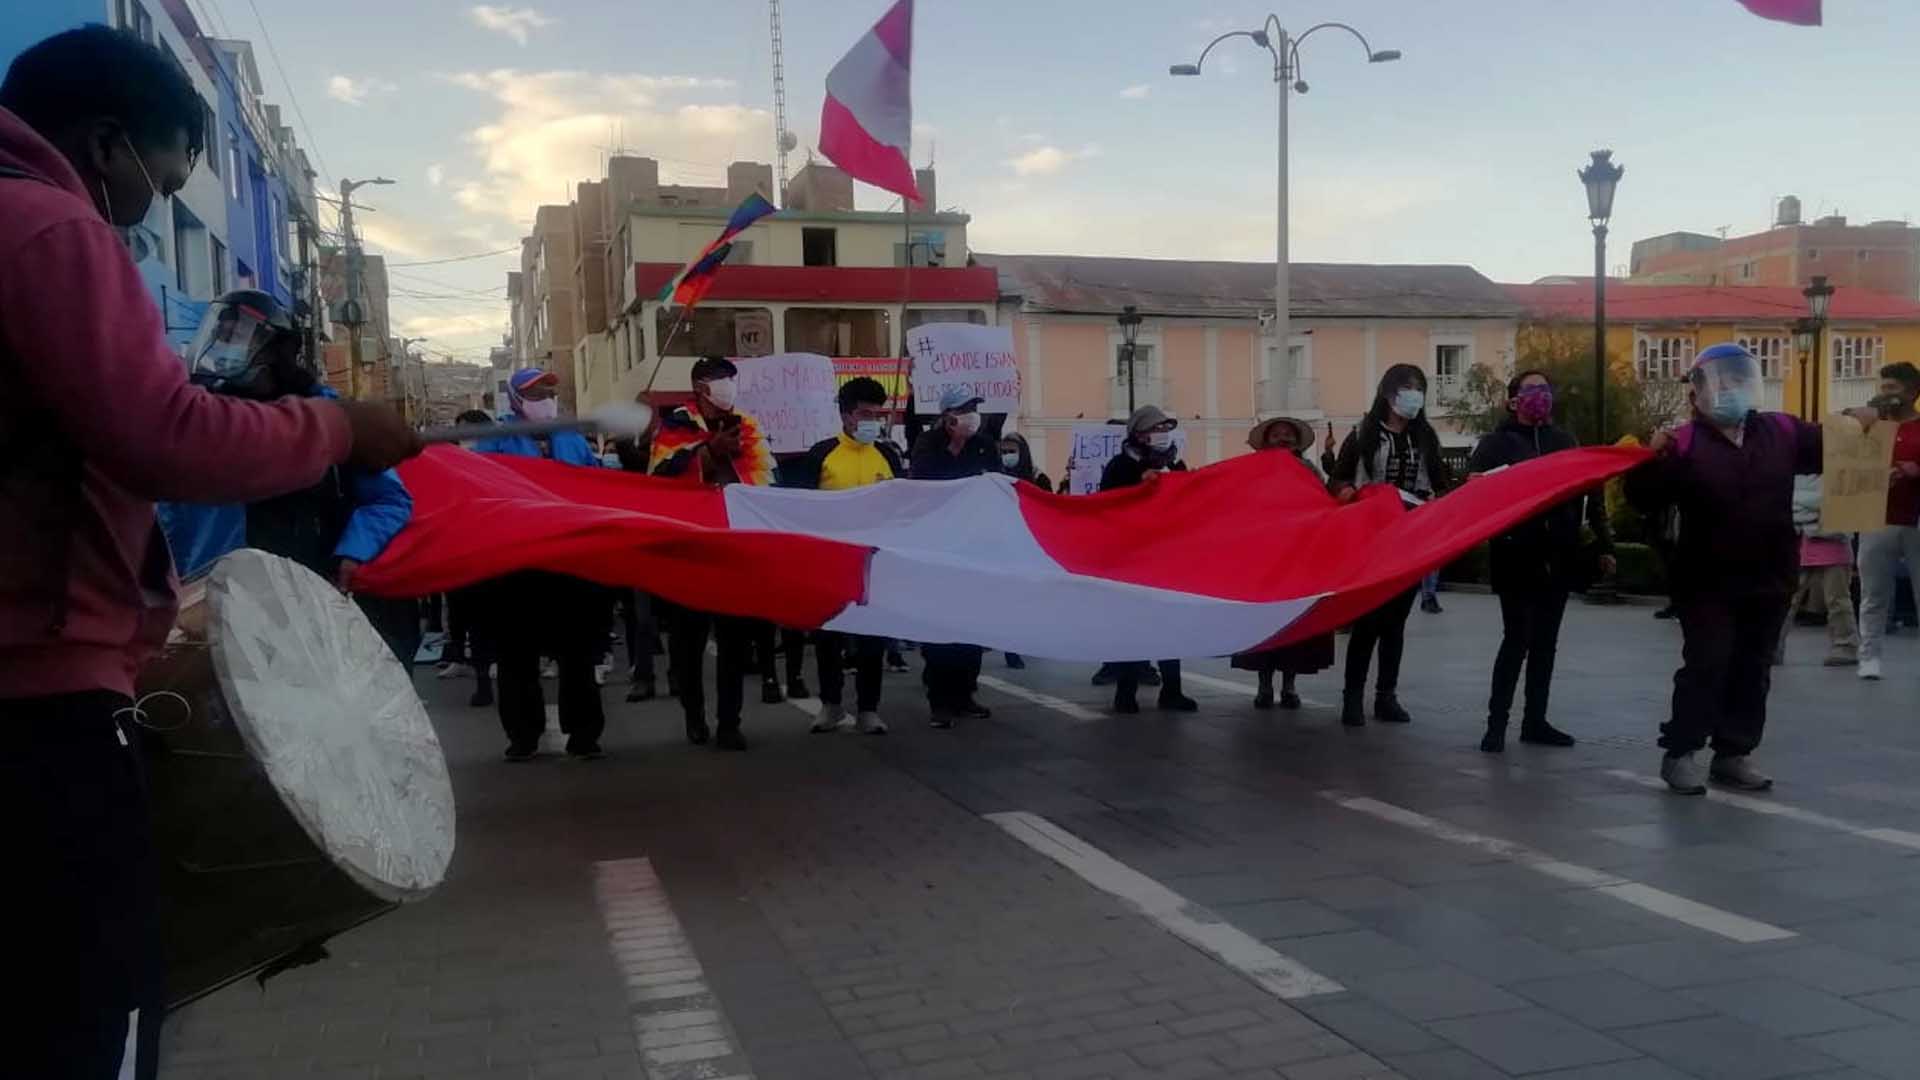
<point>866,125</point>
<point>1798,12</point>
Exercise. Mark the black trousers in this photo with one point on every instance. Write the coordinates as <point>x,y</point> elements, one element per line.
<point>467,628</point>
<point>1720,691</point>
<point>535,614</point>
<point>1530,636</point>
<point>82,895</point>
<point>638,627</point>
<point>733,638</point>
<point>952,672</point>
<point>832,651</point>
<point>1126,677</point>
<point>769,641</point>
<point>1386,627</point>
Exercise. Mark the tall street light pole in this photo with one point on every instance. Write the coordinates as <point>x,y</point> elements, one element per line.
<point>353,311</point>
<point>1285,50</point>
<point>1819,296</point>
<point>1129,321</point>
<point>1601,176</point>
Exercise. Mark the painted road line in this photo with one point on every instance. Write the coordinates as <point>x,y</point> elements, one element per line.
<point>1235,686</point>
<point>1046,701</point>
<point>678,1025</point>
<point>1897,837</point>
<point>1646,897</point>
<point>1272,971</point>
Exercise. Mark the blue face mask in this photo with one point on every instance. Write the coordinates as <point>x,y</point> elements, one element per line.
<point>1730,406</point>
<point>1407,402</point>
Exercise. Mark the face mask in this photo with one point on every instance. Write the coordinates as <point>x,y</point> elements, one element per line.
<point>544,409</point>
<point>722,393</point>
<point>1407,402</point>
<point>106,200</point>
<point>1010,459</point>
<point>866,431</point>
<point>1534,405</point>
<point>967,423</point>
<point>1730,406</point>
<point>1160,440</point>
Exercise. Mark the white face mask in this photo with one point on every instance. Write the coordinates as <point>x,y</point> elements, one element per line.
<point>1160,440</point>
<point>544,409</point>
<point>1010,458</point>
<point>866,431</point>
<point>967,423</point>
<point>722,393</point>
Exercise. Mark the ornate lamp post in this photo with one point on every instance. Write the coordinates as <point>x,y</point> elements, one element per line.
<point>1819,296</point>
<point>1601,176</point>
<point>1129,321</point>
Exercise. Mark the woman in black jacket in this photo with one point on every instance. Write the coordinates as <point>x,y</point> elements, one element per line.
<point>1535,566</point>
<point>1393,444</point>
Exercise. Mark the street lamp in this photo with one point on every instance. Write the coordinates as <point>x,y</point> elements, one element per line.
<point>1805,331</point>
<point>1600,176</point>
<point>1285,50</point>
<point>352,311</point>
<point>1129,321</point>
<point>1819,296</point>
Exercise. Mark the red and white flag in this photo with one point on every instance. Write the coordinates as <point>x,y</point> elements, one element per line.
<point>1798,12</point>
<point>866,125</point>
<point>1228,558</point>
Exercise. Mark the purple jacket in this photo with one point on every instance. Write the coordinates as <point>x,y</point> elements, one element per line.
<point>1735,502</point>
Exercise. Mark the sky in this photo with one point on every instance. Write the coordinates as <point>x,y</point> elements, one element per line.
<point>1055,125</point>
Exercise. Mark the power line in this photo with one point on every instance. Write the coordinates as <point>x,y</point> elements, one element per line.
<point>292,98</point>
<point>457,258</point>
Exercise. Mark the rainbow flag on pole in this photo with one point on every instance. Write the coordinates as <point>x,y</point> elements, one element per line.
<point>687,287</point>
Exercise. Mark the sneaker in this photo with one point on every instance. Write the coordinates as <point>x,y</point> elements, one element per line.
<point>549,669</point>
<point>1177,702</point>
<point>1430,605</point>
<point>1682,775</point>
<point>832,718</point>
<point>640,691</point>
<point>871,724</point>
<point>798,690</point>
<point>454,670</point>
<point>519,752</point>
<point>1388,710</point>
<point>1840,659</point>
<point>697,732</point>
<point>770,693</point>
<point>897,663</point>
<point>1494,741</point>
<point>941,719</point>
<point>1544,734</point>
<point>600,673</point>
<point>586,752</point>
<point>1870,668</point>
<point>1353,709</point>
<point>973,710</point>
<point>1735,771</point>
<point>1289,699</point>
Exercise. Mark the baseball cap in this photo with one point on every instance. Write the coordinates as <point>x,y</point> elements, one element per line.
<point>959,399</point>
<point>520,380</point>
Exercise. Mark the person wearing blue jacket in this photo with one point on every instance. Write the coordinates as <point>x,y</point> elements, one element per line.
<point>581,611</point>
<point>249,346</point>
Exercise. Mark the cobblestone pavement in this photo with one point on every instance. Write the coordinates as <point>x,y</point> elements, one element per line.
<point>837,906</point>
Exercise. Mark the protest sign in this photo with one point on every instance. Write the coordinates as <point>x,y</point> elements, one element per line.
<point>1856,468</point>
<point>1096,444</point>
<point>792,395</point>
<point>888,371</point>
<point>979,358</point>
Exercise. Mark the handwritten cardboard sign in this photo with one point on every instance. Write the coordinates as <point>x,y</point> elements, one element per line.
<point>1856,465</point>
<point>1096,444</point>
<point>979,358</point>
<point>792,395</point>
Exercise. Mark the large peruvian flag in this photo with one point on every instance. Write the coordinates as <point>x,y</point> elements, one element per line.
<point>866,125</point>
<point>1224,559</point>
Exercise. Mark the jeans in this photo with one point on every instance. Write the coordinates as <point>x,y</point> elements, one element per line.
<point>82,891</point>
<point>535,614</point>
<point>1530,636</point>
<point>1430,586</point>
<point>1720,691</point>
<point>1831,587</point>
<point>1879,551</point>
<point>733,637</point>
<point>1385,626</point>
<point>832,651</point>
<point>950,676</point>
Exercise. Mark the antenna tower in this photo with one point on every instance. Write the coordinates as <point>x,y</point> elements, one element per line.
<point>783,139</point>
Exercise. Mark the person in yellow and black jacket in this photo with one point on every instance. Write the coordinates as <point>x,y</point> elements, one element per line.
<point>857,457</point>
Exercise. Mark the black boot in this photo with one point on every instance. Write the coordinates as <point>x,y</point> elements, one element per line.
<point>770,692</point>
<point>1495,740</point>
<point>1541,733</point>
<point>797,688</point>
<point>1353,708</point>
<point>1126,703</point>
<point>1263,697</point>
<point>1387,710</point>
<point>641,690</point>
<point>1289,697</point>
<point>697,732</point>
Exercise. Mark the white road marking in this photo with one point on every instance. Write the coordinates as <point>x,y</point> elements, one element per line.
<point>1276,973</point>
<point>1047,701</point>
<point>1235,686</point>
<point>1897,837</point>
<point>1646,897</point>
<point>678,1026</point>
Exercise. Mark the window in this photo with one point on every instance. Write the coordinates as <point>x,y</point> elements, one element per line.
<point>1746,271</point>
<point>212,137</point>
<point>840,331</point>
<point>709,331</point>
<point>120,15</point>
<point>1142,363</point>
<point>142,22</point>
<point>739,253</point>
<point>918,316</point>
<point>1662,356</point>
<point>1450,363</point>
<point>819,247</point>
<point>1865,256</point>
<point>219,267</point>
<point>1769,349</point>
<point>926,251</point>
<point>234,172</point>
<point>1858,356</point>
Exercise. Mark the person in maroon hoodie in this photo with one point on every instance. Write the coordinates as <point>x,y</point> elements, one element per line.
<point>98,422</point>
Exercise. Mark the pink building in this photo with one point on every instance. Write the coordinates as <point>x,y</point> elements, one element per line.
<point>1205,331</point>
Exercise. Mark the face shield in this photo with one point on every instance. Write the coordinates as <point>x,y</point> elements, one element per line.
<point>1726,384</point>
<point>227,345</point>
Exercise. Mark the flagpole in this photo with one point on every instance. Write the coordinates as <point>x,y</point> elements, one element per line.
<point>661,361</point>
<point>906,294</point>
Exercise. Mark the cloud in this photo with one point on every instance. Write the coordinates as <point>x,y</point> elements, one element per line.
<point>1048,160</point>
<point>436,174</point>
<point>1136,91</point>
<point>516,23</point>
<point>352,91</point>
<point>449,329</point>
<point>552,130</point>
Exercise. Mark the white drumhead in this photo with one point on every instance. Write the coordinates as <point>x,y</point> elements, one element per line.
<point>331,716</point>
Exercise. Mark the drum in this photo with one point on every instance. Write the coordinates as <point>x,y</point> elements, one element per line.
<point>298,788</point>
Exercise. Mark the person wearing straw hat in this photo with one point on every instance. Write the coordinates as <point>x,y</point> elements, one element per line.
<point>1293,440</point>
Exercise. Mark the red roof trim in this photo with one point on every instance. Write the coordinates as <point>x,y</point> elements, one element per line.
<point>1708,303</point>
<point>832,284</point>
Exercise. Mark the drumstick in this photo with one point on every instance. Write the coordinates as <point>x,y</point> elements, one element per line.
<point>621,420</point>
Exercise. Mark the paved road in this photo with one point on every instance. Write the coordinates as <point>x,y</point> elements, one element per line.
<point>1055,893</point>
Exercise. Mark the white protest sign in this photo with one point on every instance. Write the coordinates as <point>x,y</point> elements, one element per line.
<point>1096,444</point>
<point>792,395</point>
<point>979,358</point>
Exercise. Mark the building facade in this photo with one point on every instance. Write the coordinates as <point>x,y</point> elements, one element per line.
<point>1654,332</point>
<point>1880,256</point>
<point>1205,332</point>
<point>546,317</point>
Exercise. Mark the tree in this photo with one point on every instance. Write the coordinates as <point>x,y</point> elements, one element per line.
<point>1563,351</point>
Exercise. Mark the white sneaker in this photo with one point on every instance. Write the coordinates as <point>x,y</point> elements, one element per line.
<point>600,673</point>
<point>832,718</point>
<point>454,671</point>
<point>549,669</point>
<point>871,724</point>
<point>1870,669</point>
<point>1735,771</point>
<point>1682,775</point>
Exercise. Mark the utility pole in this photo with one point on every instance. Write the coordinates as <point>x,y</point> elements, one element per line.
<point>305,289</point>
<point>353,312</point>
